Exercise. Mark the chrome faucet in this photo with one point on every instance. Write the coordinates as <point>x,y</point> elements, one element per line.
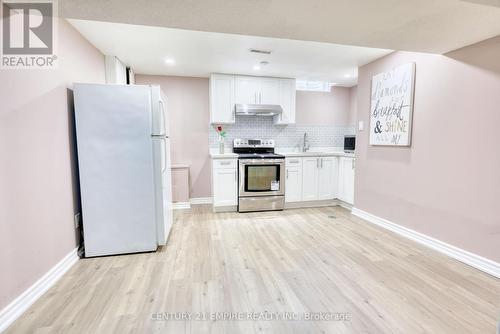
<point>305,145</point>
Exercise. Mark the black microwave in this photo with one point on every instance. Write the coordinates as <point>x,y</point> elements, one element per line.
<point>349,143</point>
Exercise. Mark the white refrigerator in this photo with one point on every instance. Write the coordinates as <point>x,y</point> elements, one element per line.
<point>124,167</point>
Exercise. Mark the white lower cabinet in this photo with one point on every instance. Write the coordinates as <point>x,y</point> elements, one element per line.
<point>346,180</point>
<point>293,180</point>
<point>327,178</point>
<point>319,178</point>
<point>225,182</point>
<point>310,178</point>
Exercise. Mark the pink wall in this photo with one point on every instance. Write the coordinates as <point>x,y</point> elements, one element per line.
<point>353,106</point>
<point>189,118</point>
<point>36,180</point>
<point>322,108</point>
<point>447,184</point>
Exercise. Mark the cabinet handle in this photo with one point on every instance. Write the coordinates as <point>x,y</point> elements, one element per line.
<point>225,162</point>
<point>321,162</point>
<point>260,98</point>
<point>352,163</point>
<point>255,97</point>
<point>317,162</point>
<point>287,173</point>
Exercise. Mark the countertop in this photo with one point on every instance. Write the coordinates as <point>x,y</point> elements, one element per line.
<point>227,155</point>
<point>315,152</point>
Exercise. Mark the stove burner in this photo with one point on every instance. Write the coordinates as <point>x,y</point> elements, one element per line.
<point>255,149</point>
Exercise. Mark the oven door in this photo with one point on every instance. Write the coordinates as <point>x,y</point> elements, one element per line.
<point>261,177</point>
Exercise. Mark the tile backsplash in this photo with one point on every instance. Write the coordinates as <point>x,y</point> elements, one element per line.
<point>284,135</point>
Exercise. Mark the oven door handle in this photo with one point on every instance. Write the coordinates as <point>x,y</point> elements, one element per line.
<point>262,161</point>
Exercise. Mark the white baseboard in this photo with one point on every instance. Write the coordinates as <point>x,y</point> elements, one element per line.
<point>19,305</point>
<point>181,205</point>
<point>310,204</point>
<point>229,208</point>
<point>476,261</point>
<point>343,204</point>
<point>192,201</point>
<point>201,200</point>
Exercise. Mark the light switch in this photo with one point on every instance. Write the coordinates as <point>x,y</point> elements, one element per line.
<point>361,125</point>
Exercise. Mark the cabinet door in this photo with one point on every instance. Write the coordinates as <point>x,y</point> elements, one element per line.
<point>346,180</point>
<point>269,91</point>
<point>327,178</point>
<point>349,181</point>
<point>225,187</point>
<point>341,179</point>
<point>287,101</point>
<point>310,168</point>
<point>293,184</point>
<point>246,90</point>
<point>221,98</point>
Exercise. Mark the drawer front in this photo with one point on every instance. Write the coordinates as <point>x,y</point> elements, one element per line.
<point>293,162</point>
<point>225,163</point>
<point>261,203</point>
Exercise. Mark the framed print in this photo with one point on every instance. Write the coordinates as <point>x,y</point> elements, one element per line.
<point>391,108</point>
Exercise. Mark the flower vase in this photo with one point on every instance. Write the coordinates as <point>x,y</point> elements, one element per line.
<point>221,145</point>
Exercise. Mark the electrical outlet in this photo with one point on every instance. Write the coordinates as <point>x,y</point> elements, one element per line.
<point>78,220</point>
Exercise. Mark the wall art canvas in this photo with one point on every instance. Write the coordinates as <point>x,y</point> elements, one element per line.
<point>391,108</point>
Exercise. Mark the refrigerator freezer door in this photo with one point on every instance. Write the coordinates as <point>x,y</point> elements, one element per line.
<point>113,128</point>
<point>163,188</point>
<point>159,112</point>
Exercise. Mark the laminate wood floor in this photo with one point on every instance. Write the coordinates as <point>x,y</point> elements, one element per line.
<point>320,262</point>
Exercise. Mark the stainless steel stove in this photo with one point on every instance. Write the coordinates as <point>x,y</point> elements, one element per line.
<point>260,172</point>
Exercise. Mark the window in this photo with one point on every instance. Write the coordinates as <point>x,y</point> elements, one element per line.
<point>262,178</point>
<point>316,86</point>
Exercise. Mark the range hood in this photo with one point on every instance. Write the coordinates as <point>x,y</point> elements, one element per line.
<point>258,109</point>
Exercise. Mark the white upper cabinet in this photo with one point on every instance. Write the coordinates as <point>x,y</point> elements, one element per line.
<point>287,102</point>
<point>269,91</point>
<point>228,90</point>
<point>222,88</point>
<point>247,90</point>
<point>116,71</point>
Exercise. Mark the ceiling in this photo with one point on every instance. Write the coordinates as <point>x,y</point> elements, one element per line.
<point>436,26</point>
<point>163,51</point>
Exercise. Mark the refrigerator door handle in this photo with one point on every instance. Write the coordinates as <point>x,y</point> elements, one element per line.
<point>162,115</point>
<point>164,168</point>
